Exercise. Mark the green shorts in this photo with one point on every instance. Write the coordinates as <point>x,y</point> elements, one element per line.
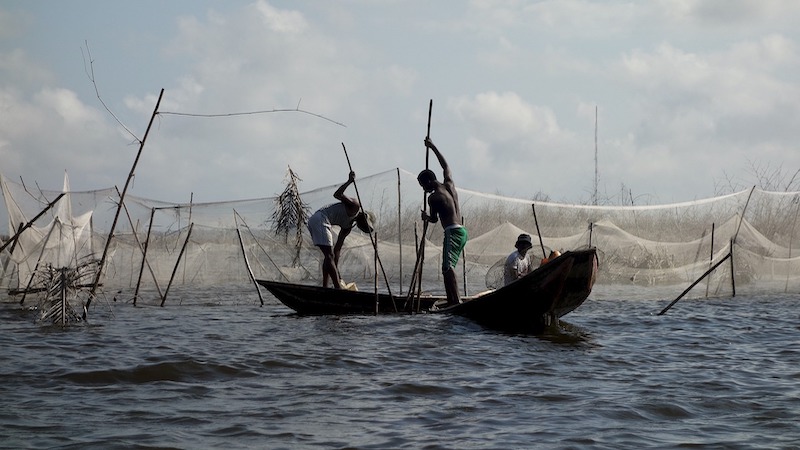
<point>455,238</point>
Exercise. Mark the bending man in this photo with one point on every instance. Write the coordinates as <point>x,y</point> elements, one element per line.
<point>443,202</point>
<point>345,214</point>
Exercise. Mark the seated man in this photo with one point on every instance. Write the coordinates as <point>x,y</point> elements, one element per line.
<point>518,264</point>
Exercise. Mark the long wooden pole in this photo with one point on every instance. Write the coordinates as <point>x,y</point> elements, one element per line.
<point>27,225</point>
<point>710,257</point>
<point>400,230</point>
<point>247,263</point>
<point>464,264</point>
<point>663,311</point>
<point>14,246</point>
<point>417,277</point>
<point>38,262</point>
<point>372,239</point>
<point>177,263</point>
<point>733,271</point>
<point>99,273</point>
<point>144,261</point>
<point>142,248</point>
<point>249,230</point>
<point>539,233</point>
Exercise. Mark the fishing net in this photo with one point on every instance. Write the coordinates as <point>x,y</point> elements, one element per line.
<point>211,244</point>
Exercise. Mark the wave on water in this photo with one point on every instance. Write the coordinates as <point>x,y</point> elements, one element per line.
<point>184,370</point>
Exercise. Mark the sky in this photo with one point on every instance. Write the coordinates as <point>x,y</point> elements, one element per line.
<point>648,101</point>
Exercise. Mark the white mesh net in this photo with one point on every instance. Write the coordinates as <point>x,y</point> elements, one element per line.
<point>659,245</point>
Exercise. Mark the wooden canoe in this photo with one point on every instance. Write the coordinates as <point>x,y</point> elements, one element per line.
<point>536,300</point>
<point>528,304</point>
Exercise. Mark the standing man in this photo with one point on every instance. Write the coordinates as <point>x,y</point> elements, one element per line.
<point>345,214</point>
<point>443,202</point>
<point>518,264</point>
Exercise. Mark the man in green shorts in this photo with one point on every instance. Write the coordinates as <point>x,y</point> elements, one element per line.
<point>443,202</point>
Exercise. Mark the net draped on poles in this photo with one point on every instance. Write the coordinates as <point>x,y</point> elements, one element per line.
<point>653,245</point>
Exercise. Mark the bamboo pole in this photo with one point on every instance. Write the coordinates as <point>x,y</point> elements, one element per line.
<point>539,233</point>
<point>144,261</point>
<point>741,219</point>
<point>791,238</point>
<point>663,311</point>
<point>262,248</point>
<point>28,225</point>
<point>63,293</point>
<point>418,265</point>
<point>38,261</point>
<point>464,263</point>
<point>11,251</point>
<point>412,285</point>
<point>710,257</point>
<point>372,239</point>
<point>247,263</point>
<point>177,263</point>
<point>733,271</point>
<point>191,204</point>
<point>141,248</point>
<point>119,208</point>
<point>400,230</point>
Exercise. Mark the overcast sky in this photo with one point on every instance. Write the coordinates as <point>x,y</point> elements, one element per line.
<point>690,95</point>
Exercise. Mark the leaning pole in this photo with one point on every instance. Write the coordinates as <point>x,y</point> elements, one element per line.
<point>96,282</point>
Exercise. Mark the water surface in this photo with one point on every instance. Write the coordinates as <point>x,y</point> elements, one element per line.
<point>213,369</point>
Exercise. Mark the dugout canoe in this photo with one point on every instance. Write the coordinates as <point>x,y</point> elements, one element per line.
<point>528,304</point>
<point>537,300</point>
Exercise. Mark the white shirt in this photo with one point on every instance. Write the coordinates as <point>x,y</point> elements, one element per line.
<point>516,266</point>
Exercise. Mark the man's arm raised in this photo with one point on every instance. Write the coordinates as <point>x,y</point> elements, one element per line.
<point>448,176</point>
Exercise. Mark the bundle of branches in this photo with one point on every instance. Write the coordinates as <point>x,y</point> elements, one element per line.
<point>61,286</point>
<point>291,213</point>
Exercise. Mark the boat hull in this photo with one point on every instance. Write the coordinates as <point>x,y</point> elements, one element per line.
<point>533,302</point>
<point>317,300</point>
<point>526,305</point>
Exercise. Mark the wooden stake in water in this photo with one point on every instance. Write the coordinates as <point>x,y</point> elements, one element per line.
<point>99,273</point>
<point>177,263</point>
<point>247,263</point>
<point>30,222</point>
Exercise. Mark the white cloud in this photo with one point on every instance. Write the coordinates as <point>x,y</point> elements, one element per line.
<point>681,97</point>
<point>281,20</point>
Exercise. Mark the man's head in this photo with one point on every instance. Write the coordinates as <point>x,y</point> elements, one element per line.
<point>524,243</point>
<point>427,179</point>
<point>365,221</point>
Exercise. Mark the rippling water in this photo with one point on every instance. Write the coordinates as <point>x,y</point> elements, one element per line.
<point>219,371</point>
